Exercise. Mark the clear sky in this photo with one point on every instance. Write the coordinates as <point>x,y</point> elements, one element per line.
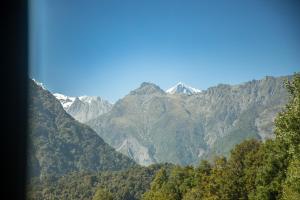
<point>109,47</point>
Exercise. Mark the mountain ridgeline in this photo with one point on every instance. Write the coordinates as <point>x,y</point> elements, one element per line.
<point>58,144</point>
<point>151,126</point>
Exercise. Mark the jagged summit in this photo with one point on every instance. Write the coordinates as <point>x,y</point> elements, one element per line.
<point>147,84</point>
<point>39,84</point>
<point>90,99</point>
<point>147,88</point>
<point>181,88</point>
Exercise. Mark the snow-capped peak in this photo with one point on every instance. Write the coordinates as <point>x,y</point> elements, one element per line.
<point>84,108</point>
<point>181,88</point>
<point>65,101</point>
<point>40,84</point>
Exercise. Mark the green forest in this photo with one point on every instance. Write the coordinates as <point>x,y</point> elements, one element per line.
<point>254,170</point>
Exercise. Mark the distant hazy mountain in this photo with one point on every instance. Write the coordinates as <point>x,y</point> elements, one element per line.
<point>84,108</point>
<point>181,88</point>
<point>58,144</point>
<point>150,125</point>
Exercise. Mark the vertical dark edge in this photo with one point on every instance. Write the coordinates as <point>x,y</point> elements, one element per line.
<point>14,88</point>
<point>23,36</point>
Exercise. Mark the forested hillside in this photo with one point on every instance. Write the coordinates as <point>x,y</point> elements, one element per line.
<point>58,144</point>
<point>119,185</point>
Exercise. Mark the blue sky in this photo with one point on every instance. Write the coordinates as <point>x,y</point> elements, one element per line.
<point>108,47</point>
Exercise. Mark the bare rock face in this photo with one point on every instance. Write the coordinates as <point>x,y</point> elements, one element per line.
<point>84,108</point>
<point>134,150</point>
<point>150,125</point>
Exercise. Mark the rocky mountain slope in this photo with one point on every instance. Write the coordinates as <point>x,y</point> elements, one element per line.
<point>84,108</point>
<point>58,144</point>
<point>150,125</point>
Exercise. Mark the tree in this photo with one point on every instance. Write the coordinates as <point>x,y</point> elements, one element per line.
<point>291,188</point>
<point>272,171</point>
<point>239,173</point>
<point>200,181</point>
<point>159,189</point>
<point>288,132</point>
<point>287,124</point>
<point>102,194</point>
<point>217,186</point>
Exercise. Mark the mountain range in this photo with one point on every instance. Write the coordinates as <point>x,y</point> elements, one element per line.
<point>86,108</point>
<point>151,125</point>
<point>183,125</point>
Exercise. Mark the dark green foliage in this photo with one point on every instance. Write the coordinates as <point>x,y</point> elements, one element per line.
<point>122,185</point>
<point>102,194</point>
<point>58,144</point>
<point>171,185</point>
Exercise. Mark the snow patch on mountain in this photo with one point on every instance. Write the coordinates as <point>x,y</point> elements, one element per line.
<point>65,101</point>
<point>84,108</point>
<point>181,88</point>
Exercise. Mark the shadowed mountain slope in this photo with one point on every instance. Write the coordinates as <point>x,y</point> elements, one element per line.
<point>58,144</point>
